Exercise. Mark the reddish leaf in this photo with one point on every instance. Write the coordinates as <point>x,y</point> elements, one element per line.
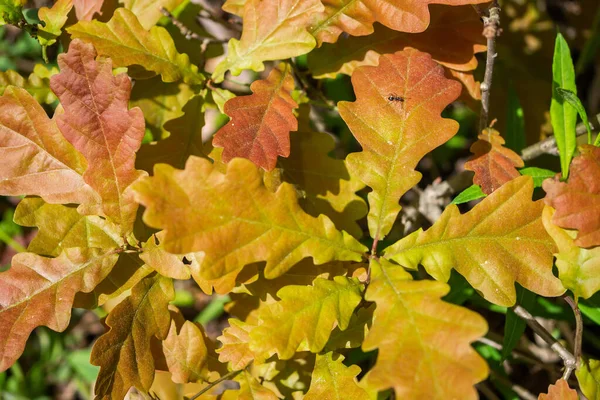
<point>38,291</point>
<point>493,164</point>
<point>577,202</point>
<point>98,123</point>
<point>260,123</point>
<point>559,391</point>
<point>85,9</point>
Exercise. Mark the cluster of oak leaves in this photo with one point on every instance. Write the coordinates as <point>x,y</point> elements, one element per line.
<point>304,296</point>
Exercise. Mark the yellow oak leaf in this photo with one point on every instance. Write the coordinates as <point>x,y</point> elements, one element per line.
<point>333,380</point>
<point>186,353</point>
<point>235,348</point>
<point>37,84</point>
<point>148,11</point>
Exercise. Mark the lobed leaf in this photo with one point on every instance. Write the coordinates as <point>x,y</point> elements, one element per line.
<point>493,164</point>
<point>127,43</point>
<point>37,160</point>
<point>459,28</point>
<point>53,19</point>
<point>428,356</point>
<point>38,291</point>
<point>37,84</point>
<point>578,268</point>
<point>395,135</point>
<point>588,377</point>
<point>11,11</point>
<point>559,391</point>
<point>268,226</point>
<point>250,389</point>
<point>166,264</point>
<point>235,348</point>
<point>499,242</point>
<point>185,352</point>
<point>85,9</point>
<point>577,202</point>
<point>305,316</point>
<point>331,379</point>
<point>148,11</point>
<point>99,124</point>
<point>273,30</point>
<point>260,124</point>
<point>123,353</point>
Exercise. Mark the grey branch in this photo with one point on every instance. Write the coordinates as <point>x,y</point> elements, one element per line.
<point>491,30</point>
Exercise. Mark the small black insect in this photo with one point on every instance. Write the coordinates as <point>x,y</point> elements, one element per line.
<point>394,97</point>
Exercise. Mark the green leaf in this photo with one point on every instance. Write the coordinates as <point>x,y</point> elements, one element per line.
<point>514,327</point>
<point>588,376</point>
<point>11,11</point>
<point>333,380</point>
<point>515,122</point>
<point>471,193</point>
<point>53,19</point>
<point>539,175</point>
<point>574,101</point>
<point>562,114</point>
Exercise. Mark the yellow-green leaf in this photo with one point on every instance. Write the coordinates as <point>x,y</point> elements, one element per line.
<point>53,19</point>
<point>267,226</point>
<point>127,43</point>
<point>235,347</point>
<point>305,316</point>
<point>148,11</point>
<point>166,264</point>
<point>250,389</point>
<point>37,84</point>
<point>333,380</point>
<point>123,353</point>
<point>588,376</point>
<point>424,343</point>
<point>395,134</point>
<point>499,242</point>
<point>11,11</point>
<point>273,30</point>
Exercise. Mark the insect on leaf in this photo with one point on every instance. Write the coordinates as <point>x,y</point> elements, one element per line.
<point>260,124</point>
<point>499,242</point>
<point>492,163</point>
<point>577,202</point>
<point>99,124</point>
<point>396,134</point>
<point>431,340</point>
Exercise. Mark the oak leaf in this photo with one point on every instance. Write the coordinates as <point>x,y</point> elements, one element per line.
<point>186,352</point>
<point>431,340</point>
<point>577,202</point>
<point>235,348</point>
<point>493,164</point>
<point>148,12</point>
<point>305,316</point>
<point>53,19</point>
<point>99,124</point>
<point>250,389</point>
<point>127,43</point>
<point>235,7</point>
<point>578,268</point>
<point>331,379</point>
<point>260,124</point>
<point>37,84</point>
<point>500,241</point>
<point>273,30</point>
<point>268,226</point>
<point>85,9</point>
<point>559,391</point>
<point>36,158</point>
<point>395,134</point>
<point>354,335</point>
<point>588,377</point>
<point>123,353</point>
<point>38,291</point>
<point>166,264</point>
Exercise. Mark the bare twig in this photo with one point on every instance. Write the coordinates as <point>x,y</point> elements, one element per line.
<point>578,327</point>
<point>548,146</point>
<point>569,360</point>
<point>491,30</point>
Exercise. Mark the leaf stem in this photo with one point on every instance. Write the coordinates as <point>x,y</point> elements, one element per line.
<point>578,327</point>
<point>569,360</point>
<point>225,377</point>
<point>491,30</point>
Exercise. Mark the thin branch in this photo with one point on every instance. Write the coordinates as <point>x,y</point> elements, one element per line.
<point>491,30</point>
<point>569,360</point>
<point>225,377</point>
<point>578,327</point>
<point>548,146</point>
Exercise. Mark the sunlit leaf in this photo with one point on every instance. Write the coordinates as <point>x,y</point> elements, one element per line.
<point>354,335</point>
<point>471,193</point>
<point>235,347</point>
<point>127,43</point>
<point>37,84</point>
<point>260,124</point>
<point>333,380</point>
<point>250,389</point>
<point>559,391</point>
<point>166,264</point>
<point>499,242</point>
<point>396,134</point>
<point>186,352</point>
<point>273,30</point>
<point>148,11</point>
<point>429,354</point>
<point>539,175</point>
<point>53,19</point>
<point>123,353</point>
<point>305,316</point>
<point>38,291</point>
<point>98,122</point>
<point>588,376</point>
<point>85,9</point>
<point>268,226</point>
<point>493,164</point>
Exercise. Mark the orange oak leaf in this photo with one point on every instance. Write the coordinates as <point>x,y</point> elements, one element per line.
<point>356,17</point>
<point>429,355</point>
<point>235,347</point>
<point>559,391</point>
<point>38,291</point>
<point>36,158</point>
<point>85,9</point>
<point>500,241</point>
<point>123,353</point>
<point>396,119</point>
<point>577,202</point>
<point>186,352</point>
<point>99,124</point>
<point>166,264</point>
<point>458,28</point>
<point>267,226</point>
<point>260,124</point>
<point>493,164</point>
